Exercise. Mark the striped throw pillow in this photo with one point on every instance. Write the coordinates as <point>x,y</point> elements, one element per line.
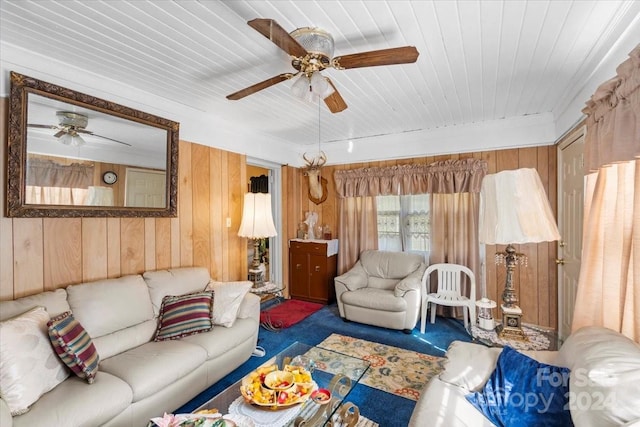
<point>74,346</point>
<point>184,315</point>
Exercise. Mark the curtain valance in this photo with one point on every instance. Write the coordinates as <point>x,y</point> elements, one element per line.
<point>613,117</point>
<point>47,173</point>
<point>449,176</point>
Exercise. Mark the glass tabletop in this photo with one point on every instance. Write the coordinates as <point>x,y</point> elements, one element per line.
<point>267,288</point>
<point>332,371</point>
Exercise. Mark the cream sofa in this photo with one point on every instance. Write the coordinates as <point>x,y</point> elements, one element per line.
<point>603,384</point>
<point>137,378</point>
<point>382,289</point>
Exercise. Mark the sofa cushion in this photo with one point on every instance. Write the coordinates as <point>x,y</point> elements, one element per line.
<point>28,365</point>
<point>227,299</point>
<point>74,346</point>
<point>469,365</point>
<point>154,365</point>
<point>107,306</point>
<point>175,281</point>
<point>91,405</point>
<point>605,376</point>
<point>220,340</point>
<point>184,315</point>
<point>444,405</point>
<point>54,302</point>
<point>377,299</point>
<point>524,392</point>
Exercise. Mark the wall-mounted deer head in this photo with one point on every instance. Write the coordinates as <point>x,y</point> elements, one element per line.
<point>317,184</point>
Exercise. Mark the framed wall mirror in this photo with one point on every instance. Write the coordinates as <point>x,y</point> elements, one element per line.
<point>75,155</point>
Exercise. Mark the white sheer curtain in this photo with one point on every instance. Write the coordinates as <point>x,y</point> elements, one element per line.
<point>404,223</point>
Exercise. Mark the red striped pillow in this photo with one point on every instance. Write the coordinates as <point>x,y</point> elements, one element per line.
<point>74,346</point>
<point>184,315</point>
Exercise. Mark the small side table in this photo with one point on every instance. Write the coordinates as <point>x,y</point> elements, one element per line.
<point>539,338</point>
<point>268,290</point>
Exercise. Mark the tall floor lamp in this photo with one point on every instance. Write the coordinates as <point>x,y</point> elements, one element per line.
<point>256,224</point>
<point>514,208</point>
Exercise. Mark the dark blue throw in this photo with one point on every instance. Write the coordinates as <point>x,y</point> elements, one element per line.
<point>523,392</point>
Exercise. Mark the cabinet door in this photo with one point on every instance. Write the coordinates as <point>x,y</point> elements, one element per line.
<point>299,274</point>
<point>318,277</point>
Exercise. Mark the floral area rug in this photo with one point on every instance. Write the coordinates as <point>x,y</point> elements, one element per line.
<point>394,370</point>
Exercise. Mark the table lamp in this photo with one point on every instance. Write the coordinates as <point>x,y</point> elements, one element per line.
<point>256,224</point>
<point>514,208</point>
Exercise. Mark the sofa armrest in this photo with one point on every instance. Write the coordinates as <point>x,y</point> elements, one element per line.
<point>6,420</point>
<point>250,307</point>
<point>354,279</point>
<point>410,283</point>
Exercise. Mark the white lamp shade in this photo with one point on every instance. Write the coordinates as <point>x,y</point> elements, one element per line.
<point>72,140</point>
<point>514,208</point>
<point>257,221</point>
<point>300,86</point>
<point>318,83</point>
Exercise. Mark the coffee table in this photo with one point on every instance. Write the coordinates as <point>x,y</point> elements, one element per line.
<point>336,372</point>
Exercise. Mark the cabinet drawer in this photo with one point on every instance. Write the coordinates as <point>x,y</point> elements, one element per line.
<point>309,247</point>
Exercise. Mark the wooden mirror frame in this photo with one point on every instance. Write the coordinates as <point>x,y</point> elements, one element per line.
<point>21,86</point>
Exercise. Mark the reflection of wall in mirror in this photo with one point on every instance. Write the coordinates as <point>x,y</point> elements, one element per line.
<point>118,188</point>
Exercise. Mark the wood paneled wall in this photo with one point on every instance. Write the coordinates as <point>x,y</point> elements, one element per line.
<point>536,283</point>
<point>49,253</point>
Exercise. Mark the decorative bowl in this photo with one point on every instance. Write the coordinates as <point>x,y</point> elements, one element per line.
<point>276,389</point>
<point>321,396</point>
<point>279,380</point>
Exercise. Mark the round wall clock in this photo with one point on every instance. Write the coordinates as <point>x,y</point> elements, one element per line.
<point>109,177</point>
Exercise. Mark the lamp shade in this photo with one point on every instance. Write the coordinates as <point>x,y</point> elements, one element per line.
<point>514,208</point>
<point>257,221</point>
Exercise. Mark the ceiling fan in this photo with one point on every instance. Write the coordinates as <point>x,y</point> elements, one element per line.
<point>69,128</point>
<point>311,51</point>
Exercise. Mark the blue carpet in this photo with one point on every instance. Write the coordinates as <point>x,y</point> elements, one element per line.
<point>374,404</point>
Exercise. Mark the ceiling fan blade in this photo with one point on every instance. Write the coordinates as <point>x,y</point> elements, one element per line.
<point>334,102</point>
<point>60,133</point>
<point>43,126</point>
<point>100,136</point>
<point>395,55</point>
<point>259,86</point>
<point>278,36</point>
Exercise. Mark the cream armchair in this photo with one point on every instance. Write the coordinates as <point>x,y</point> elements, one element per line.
<point>382,289</point>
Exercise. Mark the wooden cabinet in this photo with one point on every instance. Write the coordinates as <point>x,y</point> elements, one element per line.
<point>312,268</point>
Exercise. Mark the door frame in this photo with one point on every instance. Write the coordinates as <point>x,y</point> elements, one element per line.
<point>275,189</point>
<point>575,133</point>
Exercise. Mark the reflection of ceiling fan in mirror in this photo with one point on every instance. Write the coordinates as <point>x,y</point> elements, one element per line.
<point>69,128</point>
<point>311,51</point>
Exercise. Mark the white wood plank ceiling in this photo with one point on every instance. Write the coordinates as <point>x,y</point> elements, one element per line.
<point>480,61</point>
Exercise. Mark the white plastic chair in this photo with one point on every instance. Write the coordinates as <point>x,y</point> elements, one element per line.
<point>449,292</point>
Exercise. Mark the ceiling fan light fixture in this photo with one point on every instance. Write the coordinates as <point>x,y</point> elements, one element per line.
<point>300,86</point>
<point>314,40</point>
<point>318,84</point>
<point>73,140</point>
<point>328,90</point>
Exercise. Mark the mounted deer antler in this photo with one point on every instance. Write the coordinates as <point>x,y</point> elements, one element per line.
<point>317,184</point>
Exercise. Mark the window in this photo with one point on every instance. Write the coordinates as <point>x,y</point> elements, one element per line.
<point>404,223</point>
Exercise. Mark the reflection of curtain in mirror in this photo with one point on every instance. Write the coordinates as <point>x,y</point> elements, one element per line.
<point>259,184</point>
<point>55,195</point>
<point>51,183</point>
<point>100,196</point>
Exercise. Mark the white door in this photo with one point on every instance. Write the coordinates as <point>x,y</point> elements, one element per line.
<point>570,218</point>
<point>145,188</point>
